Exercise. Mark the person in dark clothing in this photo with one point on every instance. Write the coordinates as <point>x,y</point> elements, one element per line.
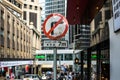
<point>62,77</point>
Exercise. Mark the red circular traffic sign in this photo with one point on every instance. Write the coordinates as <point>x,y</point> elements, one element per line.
<point>55,26</point>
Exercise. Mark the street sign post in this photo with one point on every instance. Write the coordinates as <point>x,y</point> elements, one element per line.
<point>55,27</point>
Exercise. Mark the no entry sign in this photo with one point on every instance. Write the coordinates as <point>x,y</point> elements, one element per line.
<point>55,26</point>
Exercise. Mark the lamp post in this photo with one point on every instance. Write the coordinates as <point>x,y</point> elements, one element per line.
<point>74,40</point>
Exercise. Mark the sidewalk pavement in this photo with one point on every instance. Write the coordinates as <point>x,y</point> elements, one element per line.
<point>2,78</point>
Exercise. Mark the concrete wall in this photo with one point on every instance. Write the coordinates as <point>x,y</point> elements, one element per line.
<point>114,52</point>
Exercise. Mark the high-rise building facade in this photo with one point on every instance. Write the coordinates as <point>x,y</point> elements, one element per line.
<point>55,6</point>
<point>14,34</point>
<point>19,39</point>
<point>32,15</point>
<point>100,41</point>
<point>80,36</point>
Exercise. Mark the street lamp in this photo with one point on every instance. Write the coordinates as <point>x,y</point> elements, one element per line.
<point>74,40</point>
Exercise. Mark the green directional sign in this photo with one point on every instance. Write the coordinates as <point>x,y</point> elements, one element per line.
<point>94,56</point>
<point>40,56</point>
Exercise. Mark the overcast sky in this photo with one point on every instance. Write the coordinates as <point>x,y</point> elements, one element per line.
<point>41,1</point>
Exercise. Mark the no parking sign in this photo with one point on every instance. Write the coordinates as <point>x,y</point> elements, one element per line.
<point>55,26</point>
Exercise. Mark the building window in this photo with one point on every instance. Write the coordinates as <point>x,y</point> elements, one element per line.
<point>60,57</point>
<point>21,46</point>
<point>33,18</point>
<point>24,48</point>
<point>24,37</point>
<point>2,19</point>
<point>17,32</point>
<point>1,40</point>
<point>24,15</point>
<point>8,42</point>
<point>25,5</point>
<point>8,24</point>
<point>49,57</point>
<point>68,57</point>
<point>98,18</point>
<point>18,5</point>
<point>13,22</point>
<point>35,7</point>
<point>40,8</point>
<point>13,44</point>
<point>107,14</point>
<point>17,45</point>
<point>32,0</point>
<point>21,34</point>
<point>30,7</point>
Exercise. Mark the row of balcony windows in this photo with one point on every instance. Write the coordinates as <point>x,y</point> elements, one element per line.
<point>25,37</point>
<point>22,36</point>
<point>15,3</point>
<point>22,47</point>
<point>100,35</point>
<point>12,19</point>
<point>31,7</point>
<point>10,30</point>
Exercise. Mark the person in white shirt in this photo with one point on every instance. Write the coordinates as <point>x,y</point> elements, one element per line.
<point>7,76</point>
<point>70,76</point>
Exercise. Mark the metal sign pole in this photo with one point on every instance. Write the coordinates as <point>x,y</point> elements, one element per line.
<point>59,32</point>
<point>55,63</point>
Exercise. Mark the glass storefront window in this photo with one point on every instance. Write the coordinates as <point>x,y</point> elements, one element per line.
<point>60,57</point>
<point>49,57</point>
<point>68,56</point>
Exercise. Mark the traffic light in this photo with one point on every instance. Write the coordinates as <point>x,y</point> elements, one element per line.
<point>76,60</point>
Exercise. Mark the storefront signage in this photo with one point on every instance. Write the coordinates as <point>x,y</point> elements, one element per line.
<point>14,63</point>
<point>40,56</point>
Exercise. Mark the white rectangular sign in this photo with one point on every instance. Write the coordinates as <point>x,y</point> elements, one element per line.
<point>49,43</point>
<point>14,63</point>
<point>116,14</point>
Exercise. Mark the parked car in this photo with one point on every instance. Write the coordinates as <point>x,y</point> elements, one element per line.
<point>31,77</point>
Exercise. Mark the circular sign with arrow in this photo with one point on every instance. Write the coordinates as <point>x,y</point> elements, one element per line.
<point>55,26</point>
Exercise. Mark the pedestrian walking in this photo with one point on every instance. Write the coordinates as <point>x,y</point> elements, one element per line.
<point>7,76</point>
<point>12,76</point>
<point>93,76</point>
<point>70,76</point>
